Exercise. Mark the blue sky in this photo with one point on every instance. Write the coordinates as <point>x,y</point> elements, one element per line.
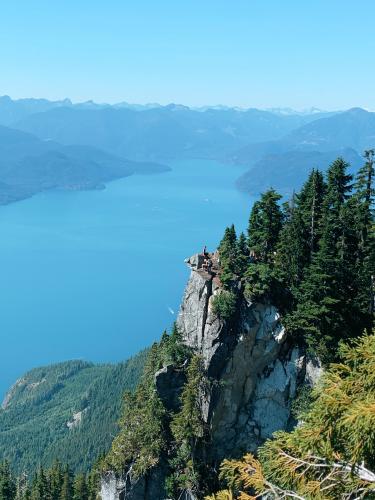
<point>261,53</point>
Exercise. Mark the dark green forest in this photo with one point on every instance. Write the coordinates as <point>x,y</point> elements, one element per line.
<point>34,428</point>
<point>58,482</point>
<point>313,257</point>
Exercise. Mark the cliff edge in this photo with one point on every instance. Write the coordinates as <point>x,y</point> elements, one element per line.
<point>253,373</point>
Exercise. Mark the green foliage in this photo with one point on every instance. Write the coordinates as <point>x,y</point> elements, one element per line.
<point>141,437</point>
<point>146,427</point>
<point>144,422</point>
<point>259,282</point>
<point>228,256</point>
<point>301,403</point>
<point>265,224</point>
<point>301,230</point>
<point>188,429</point>
<point>327,307</point>
<point>80,488</point>
<point>224,304</point>
<point>187,425</point>
<point>171,348</point>
<point>7,482</point>
<point>242,257</point>
<point>322,254</point>
<point>314,259</point>
<point>141,440</point>
<point>56,483</point>
<point>33,426</point>
<point>364,215</point>
<point>310,207</point>
<point>331,454</point>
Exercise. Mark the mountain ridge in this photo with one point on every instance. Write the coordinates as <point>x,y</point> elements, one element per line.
<point>160,133</point>
<point>29,165</point>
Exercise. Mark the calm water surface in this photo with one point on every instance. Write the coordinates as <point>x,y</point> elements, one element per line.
<point>99,274</point>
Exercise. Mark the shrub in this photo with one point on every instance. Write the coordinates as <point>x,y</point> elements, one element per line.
<point>224,304</point>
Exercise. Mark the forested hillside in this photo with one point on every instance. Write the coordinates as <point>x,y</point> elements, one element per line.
<point>29,165</point>
<point>56,482</point>
<point>67,411</point>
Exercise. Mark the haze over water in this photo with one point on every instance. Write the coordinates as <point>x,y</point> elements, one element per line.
<point>98,275</point>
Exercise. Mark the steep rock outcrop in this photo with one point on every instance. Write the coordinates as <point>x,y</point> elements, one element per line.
<point>253,369</point>
<point>256,369</point>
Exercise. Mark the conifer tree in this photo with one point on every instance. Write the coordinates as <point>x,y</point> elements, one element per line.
<point>365,226</point>
<point>80,490</point>
<point>40,488</point>
<point>188,428</point>
<point>7,483</point>
<point>93,482</point>
<point>66,492</point>
<point>265,224</point>
<point>242,255</point>
<point>310,207</point>
<point>175,351</point>
<point>334,223</point>
<point>322,296</point>
<point>141,438</point>
<point>55,483</point>
<point>228,256</point>
<point>290,250</point>
<point>22,487</point>
<point>188,424</point>
<point>55,479</point>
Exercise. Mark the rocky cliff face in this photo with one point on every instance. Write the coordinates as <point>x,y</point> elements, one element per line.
<point>257,370</point>
<point>254,369</point>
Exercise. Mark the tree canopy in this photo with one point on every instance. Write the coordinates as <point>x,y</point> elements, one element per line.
<point>313,257</point>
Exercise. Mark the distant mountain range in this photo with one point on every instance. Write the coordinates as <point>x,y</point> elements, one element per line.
<point>82,146</point>
<point>29,165</point>
<point>13,110</point>
<point>160,134</point>
<point>287,171</point>
<point>284,163</point>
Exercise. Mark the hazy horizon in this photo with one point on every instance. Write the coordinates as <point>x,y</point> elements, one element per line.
<point>307,109</point>
<point>247,54</point>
